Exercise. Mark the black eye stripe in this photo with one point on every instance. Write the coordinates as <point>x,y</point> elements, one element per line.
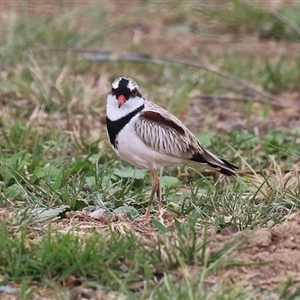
<point>125,91</point>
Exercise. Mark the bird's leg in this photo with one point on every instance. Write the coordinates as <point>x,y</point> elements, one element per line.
<point>155,189</point>
<point>158,192</point>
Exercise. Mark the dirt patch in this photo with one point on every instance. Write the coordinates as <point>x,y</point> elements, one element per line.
<point>264,258</point>
<point>270,255</point>
<point>228,114</point>
<point>118,223</point>
<point>267,257</point>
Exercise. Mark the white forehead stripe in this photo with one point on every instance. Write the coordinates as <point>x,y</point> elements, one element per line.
<point>131,83</point>
<point>115,84</point>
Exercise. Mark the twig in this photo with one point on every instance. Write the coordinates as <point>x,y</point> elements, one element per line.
<point>205,66</point>
<point>245,99</point>
<point>72,49</point>
<point>249,172</point>
<point>285,20</point>
<point>227,97</point>
<point>110,56</point>
<point>278,280</point>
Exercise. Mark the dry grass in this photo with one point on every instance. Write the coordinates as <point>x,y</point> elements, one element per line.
<point>215,236</point>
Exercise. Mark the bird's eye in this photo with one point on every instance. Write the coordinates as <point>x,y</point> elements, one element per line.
<point>134,92</point>
<point>113,91</point>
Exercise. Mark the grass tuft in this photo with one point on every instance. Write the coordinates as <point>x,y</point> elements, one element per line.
<point>70,211</point>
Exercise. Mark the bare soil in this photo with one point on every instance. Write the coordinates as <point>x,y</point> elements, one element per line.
<point>269,255</point>
<point>272,255</point>
<point>266,257</point>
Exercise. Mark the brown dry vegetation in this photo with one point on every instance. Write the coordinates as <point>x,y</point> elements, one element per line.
<point>269,255</point>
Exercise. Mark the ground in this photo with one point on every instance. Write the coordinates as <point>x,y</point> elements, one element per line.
<point>266,258</point>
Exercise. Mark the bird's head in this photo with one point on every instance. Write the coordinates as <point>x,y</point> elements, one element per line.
<point>124,89</point>
<point>123,99</point>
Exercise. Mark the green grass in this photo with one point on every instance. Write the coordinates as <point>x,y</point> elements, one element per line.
<point>253,18</point>
<point>114,262</point>
<point>55,159</point>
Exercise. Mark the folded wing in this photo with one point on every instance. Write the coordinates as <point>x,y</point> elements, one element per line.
<point>164,133</point>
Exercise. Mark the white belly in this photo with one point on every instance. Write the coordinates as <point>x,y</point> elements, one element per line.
<point>133,150</point>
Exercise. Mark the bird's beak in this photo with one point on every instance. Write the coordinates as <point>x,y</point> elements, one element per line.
<point>121,100</point>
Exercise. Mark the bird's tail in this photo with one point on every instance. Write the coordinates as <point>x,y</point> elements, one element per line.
<point>220,164</point>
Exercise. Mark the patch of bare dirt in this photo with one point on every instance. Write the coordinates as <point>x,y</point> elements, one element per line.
<point>228,114</point>
<point>270,255</point>
<point>118,223</point>
<point>266,256</point>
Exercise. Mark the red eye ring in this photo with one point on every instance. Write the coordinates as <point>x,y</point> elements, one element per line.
<point>134,92</point>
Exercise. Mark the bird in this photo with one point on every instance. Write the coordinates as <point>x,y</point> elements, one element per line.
<point>149,137</point>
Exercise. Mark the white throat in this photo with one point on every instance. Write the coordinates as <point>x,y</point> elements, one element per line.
<point>113,112</point>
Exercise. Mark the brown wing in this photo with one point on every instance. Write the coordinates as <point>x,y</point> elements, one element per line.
<point>163,132</point>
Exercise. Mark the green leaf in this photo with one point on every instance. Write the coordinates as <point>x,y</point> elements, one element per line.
<point>205,138</point>
<point>14,159</point>
<point>39,172</point>
<point>58,181</point>
<point>148,274</point>
<point>161,227</point>
<point>94,158</point>
<point>128,172</point>
<point>169,181</point>
<point>129,211</point>
<point>13,165</point>
<point>179,227</point>
<point>90,180</point>
<point>52,171</point>
<point>13,191</point>
<point>77,204</point>
<point>42,213</point>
